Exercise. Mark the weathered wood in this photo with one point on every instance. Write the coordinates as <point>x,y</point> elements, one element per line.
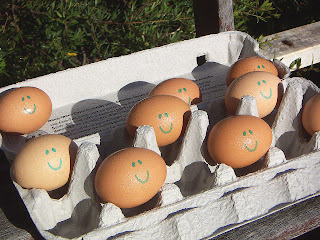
<point>213,16</point>
<point>301,42</point>
<point>285,224</point>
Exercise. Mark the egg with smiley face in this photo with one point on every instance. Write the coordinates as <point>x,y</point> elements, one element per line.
<point>239,141</point>
<point>249,64</point>
<point>168,115</point>
<point>130,177</point>
<point>183,88</point>
<point>263,86</point>
<point>44,162</point>
<point>24,110</point>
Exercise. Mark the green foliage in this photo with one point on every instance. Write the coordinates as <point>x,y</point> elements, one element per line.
<point>247,13</point>
<point>39,37</point>
<point>44,36</point>
<point>295,64</point>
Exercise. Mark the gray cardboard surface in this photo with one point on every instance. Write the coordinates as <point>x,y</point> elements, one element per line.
<point>197,199</point>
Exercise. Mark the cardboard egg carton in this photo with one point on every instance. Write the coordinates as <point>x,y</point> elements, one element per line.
<point>194,192</point>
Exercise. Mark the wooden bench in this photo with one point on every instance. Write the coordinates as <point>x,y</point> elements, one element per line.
<point>214,16</point>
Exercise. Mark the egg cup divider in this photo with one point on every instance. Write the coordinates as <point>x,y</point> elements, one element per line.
<point>219,198</point>
<point>220,189</point>
<point>288,132</point>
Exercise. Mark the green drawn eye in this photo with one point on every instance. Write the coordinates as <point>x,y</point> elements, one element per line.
<point>244,133</point>
<point>24,98</point>
<point>180,90</point>
<point>250,131</point>
<point>133,164</point>
<point>139,161</point>
<point>160,116</point>
<point>263,66</point>
<point>259,66</point>
<point>54,150</point>
<point>259,83</point>
<point>264,81</point>
<point>166,114</point>
<point>47,152</point>
<point>184,89</point>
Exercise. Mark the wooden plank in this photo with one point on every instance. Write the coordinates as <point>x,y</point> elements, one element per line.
<point>213,16</point>
<point>301,42</point>
<point>287,223</point>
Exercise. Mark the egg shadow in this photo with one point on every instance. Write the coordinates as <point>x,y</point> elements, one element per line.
<point>86,214</point>
<point>101,120</point>
<point>210,77</point>
<point>132,93</point>
<point>14,214</point>
<point>291,142</point>
<point>252,168</point>
<point>195,178</point>
<point>85,217</point>
<point>154,202</point>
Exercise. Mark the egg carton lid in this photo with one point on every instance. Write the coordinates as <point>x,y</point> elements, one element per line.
<point>91,101</point>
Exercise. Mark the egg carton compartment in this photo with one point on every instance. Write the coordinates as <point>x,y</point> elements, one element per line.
<point>288,132</point>
<point>92,101</point>
<point>93,113</point>
<point>193,192</point>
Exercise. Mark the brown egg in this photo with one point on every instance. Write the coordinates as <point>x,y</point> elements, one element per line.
<point>168,115</point>
<point>44,162</point>
<point>263,86</point>
<point>24,110</point>
<point>130,177</point>
<point>311,115</point>
<point>183,88</point>
<point>239,141</point>
<point>249,64</point>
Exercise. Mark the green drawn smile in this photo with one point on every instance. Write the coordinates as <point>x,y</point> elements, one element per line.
<point>143,181</point>
<point>57,168</point>
<point>29,110</point>
<point>189,101</point>
<point>165,132</point>
<point>267,97</point>
<point>252,150</point>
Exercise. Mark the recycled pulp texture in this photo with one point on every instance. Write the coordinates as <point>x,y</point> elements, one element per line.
<point>194,192</point>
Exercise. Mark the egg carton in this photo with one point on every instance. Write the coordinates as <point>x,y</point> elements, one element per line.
<point>198,200</point>
<point>194,191</point>
<point>92,101</point>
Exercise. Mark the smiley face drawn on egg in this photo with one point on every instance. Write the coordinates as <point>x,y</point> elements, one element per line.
<point>270,94</point>
<point>138,178</point>
<point>167,115</point>
<point>24,110</point>
<point>171,125</point>
<point>249,64</point>
<point>183,88</point>
<point>60,164</point>
<point>44,162</point>
<point>247,145</point>
<point>263,86</point>
<point>130,177</point>
<point>261,67</point>
<point>239,141</point>
<point>28,110</point>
